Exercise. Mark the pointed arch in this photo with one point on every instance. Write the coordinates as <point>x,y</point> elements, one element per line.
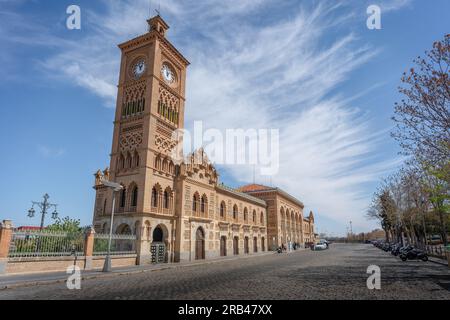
<point>167,198</point>
<point>129,160</point>
<point>136,159</point>
<point>134,194</point>
<point>204,204</point>
<point>195,202</point>
<point>235,212</point>
<point>156,190</point>
<point>223,210</point>
<point>158,163</point>
<point>121,161</point>
<point>122,198</point>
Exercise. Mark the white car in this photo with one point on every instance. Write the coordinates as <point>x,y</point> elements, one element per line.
<point>320,246</point>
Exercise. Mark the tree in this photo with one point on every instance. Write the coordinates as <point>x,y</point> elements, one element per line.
<point>383,209</point>
<point>435,182</point>
<point>66,225</point>
<point>423,117</point>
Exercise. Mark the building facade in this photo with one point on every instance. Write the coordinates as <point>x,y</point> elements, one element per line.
<point>286,222</point>
<point>175,207</point>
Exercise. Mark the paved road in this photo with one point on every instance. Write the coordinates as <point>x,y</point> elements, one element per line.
<point>338,273</point>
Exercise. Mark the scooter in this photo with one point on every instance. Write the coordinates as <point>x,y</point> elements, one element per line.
<point>414,254</point>
<point>396,249</point>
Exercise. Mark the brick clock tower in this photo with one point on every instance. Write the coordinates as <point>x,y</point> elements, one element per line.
<point>150,106</point>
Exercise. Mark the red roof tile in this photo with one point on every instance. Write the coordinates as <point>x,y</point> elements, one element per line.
<point>253,187</point>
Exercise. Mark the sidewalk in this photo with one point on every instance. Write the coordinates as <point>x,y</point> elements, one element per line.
<point>31,279</point>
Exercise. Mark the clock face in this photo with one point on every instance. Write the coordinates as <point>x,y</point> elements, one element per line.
<point>167,73</point>
<point>139,69</point>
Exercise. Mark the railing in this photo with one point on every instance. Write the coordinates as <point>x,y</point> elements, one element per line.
<point>46,244</point>
<point>436,251</point>
<point>121,244</point>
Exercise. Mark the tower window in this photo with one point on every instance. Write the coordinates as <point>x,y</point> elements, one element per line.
<point>154,198</point>
<point>134,197</point>
<point>123,195</point>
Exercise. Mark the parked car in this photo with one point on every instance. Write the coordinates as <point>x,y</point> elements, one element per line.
<point>320,246</point>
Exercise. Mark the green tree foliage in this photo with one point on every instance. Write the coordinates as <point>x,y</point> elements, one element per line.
<point>66,225</point>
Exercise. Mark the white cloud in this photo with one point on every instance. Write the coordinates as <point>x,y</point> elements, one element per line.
<point>50,152</point>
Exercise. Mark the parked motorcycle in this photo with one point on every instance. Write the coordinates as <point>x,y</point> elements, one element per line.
<point>414,254</point>
<point>395,250</point>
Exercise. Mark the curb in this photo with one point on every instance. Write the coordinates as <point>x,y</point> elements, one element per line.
<point>128,272</point>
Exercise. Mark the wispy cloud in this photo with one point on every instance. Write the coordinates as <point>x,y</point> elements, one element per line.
<point>257,64</point>
<point>50,152</point>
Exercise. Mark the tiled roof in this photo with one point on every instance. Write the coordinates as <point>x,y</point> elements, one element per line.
<point>253,187</point>
<point>241,194</point>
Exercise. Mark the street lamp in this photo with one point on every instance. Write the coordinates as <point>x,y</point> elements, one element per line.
<point>115,187</point>
<point>44,206</point>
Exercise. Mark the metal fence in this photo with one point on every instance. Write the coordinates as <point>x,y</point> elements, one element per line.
<point>120,244</point>
<point>436,251</point>
<point>46,244</point>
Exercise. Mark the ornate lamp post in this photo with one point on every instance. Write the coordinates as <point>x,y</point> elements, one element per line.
<point>115,188</point>
<point>44,206</point>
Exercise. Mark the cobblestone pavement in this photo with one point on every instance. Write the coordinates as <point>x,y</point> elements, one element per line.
<point>337,273</point>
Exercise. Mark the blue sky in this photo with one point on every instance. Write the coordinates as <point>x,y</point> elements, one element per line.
<point>311,69</point>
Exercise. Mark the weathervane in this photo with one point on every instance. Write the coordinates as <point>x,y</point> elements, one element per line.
<point>158,11</point>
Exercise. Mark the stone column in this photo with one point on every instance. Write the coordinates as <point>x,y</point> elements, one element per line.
<point>143,247</point>
<point>5,240</point>
<point>89,248</point>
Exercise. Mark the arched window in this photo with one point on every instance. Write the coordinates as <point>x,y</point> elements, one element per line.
<point>235,212</point>
<point>134,197</point>
<point>254,216</point>
<point>158,163</point>
<point>129,161</point>
<point>104,206</point>
<point>121,162</point>
<point>136,159</point>
<point>123,196</point>
<point>261,219</point>
<point>154,197</point>
<point>222,209</point>
<point>166,200</point>
<point>203,204</point>
<point>245,215</point>
<point>195,202</point>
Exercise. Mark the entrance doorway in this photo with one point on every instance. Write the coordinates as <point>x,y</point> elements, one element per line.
<point>223,246</point>
<point>246,245</point>
<point>158,246</point>
<point>199,244</point>
<point>236,246</point>
<point>255,244</point>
